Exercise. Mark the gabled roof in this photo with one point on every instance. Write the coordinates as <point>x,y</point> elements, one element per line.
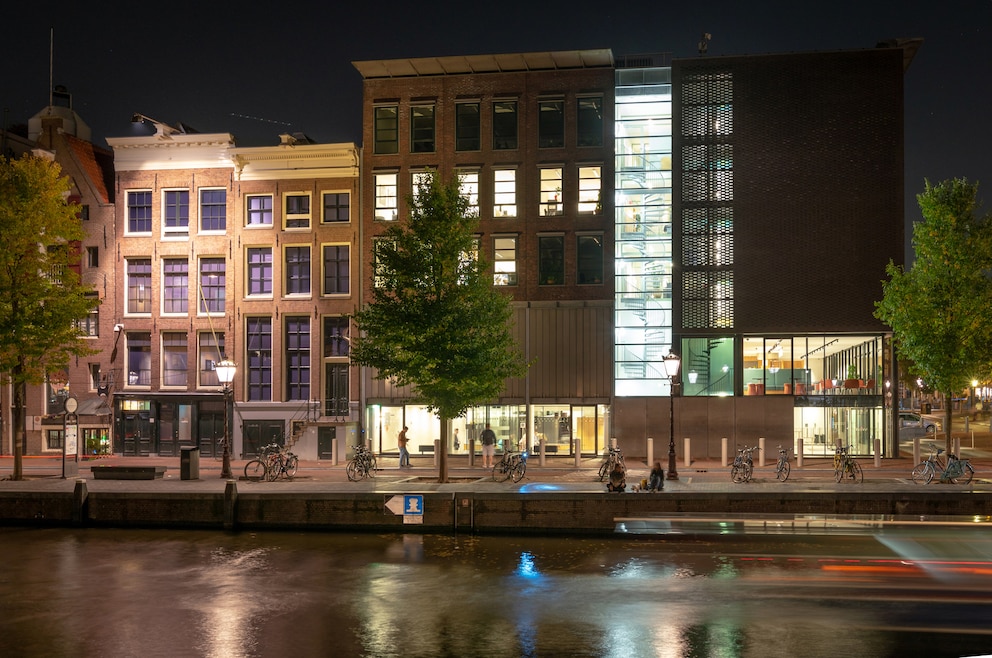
<point>98,164</point>
<point>464,64</point>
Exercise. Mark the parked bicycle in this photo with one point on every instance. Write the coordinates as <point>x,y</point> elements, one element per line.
<point>281,463</point>
<point>782,468</point>
<point>513,465</point>
<point>613,457</point>
<point>743,466</point>
<point>845,467</point>
<point>362,464</point>
<point>956,471</point>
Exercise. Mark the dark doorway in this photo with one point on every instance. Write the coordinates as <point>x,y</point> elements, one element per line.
<point>325,441</point>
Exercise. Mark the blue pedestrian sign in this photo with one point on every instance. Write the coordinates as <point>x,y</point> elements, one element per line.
<point>413,504</point>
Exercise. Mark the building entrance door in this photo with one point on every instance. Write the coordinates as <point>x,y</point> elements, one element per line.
<point>210,428</point>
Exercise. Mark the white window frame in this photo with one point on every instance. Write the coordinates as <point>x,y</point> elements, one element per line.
<point>468,186</point>
<point>249,211</point>
<point>590,189</point>
<point>175,232</point>
<point>552,194</point>
<point>504,193</point>
<point>386,195</point>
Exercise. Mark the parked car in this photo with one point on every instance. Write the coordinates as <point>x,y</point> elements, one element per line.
<point>912,425</point>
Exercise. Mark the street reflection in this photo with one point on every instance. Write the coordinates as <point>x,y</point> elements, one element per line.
<point>169,593</point>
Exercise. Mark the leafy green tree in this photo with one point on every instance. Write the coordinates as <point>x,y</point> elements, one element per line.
<point>41,298</point>
<point>435,323</point>
<point>939,309</point>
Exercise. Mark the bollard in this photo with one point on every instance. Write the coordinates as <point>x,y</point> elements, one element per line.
<point>957,446</point>
<point>613,442</point>
<point>79,503</point>
<point>723,452</point>
<point>335,447</point>
<point>686,452</point>
<point>799,453</point>
<point>650,452</point>
<point>761,451</point>
<point>471,453</point>
<point>878,453</point>
<point>437,451</point>
<point>916,451</point>
<point>541,443</point>
<point>577,450</point>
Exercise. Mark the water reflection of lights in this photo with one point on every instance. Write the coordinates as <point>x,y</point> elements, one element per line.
<point>526,568</point>
<point>536,487</point>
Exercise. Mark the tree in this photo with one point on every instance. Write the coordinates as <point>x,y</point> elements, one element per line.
<point>41,298</point>
<point>939,309</point>
<point>435,323</point>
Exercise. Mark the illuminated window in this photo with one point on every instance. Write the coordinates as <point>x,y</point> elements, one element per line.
<point>213,210</point>
<point>211,352</point>
<point>297,337</point>
<point>468,186</point>
<point>505,261</point>
<point>258,334</point>
<point>213,285</point>
<point>505,193</point>
<point>385,196</point>
<point>259,269</point>
<point>551,195</point>
<point>175,212</point>
<point>386,129</point>
<point>258,210</point>
<point>139,212</point>
<point>139,358</point>
<point>139,285</point>
<point>175,285</point>
<point>174,359</point>
<point>590,187</point>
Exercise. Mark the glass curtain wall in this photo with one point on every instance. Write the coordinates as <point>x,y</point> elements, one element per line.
<point>643,258</point>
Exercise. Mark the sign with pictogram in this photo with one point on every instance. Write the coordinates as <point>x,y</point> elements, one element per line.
<point>411,506</point>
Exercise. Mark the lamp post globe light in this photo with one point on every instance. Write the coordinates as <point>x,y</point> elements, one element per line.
<point>672,363</point>
<point>225,375</point>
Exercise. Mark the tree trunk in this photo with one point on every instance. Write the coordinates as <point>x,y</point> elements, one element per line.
<point>948,415</point>
<point>18,428</point>
<point>442,458</point>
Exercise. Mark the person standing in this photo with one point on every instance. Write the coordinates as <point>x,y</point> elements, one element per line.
<point>401,441</point>
<point>488,437</point>
<point>458,443</point>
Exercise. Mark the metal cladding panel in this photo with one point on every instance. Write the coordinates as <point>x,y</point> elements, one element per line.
<point>817,184</point>
<point>571,349</point>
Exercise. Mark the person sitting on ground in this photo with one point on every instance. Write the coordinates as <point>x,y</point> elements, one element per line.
<point>618,479</point>
<point>656,480</point>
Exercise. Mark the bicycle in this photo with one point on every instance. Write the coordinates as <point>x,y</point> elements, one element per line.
<point>281,462</point>
<point>743,466</point>
<point>845,468</point>
<point>513,465</point>
<point>362,465</point>
<point>958,471</point>
<point>613,457</point>
<point>924,471</point>
<point>782,468</point>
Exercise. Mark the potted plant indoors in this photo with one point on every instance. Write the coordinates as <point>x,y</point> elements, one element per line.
<point>853,379</point>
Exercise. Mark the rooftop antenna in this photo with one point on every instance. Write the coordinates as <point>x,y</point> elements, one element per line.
<point>51,65</point>
<point>704,42</point>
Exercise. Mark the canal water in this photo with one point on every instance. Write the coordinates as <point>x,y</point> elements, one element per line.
<point>112,593</point>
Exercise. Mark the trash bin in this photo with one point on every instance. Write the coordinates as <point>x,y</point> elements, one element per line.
<point>189,463</point>
<point>925,408</point>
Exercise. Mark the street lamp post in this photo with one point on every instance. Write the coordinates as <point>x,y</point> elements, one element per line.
<point>672,363</point>
<point>225,374</point>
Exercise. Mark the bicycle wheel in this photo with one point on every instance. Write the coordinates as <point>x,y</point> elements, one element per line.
<point>967,473</point>
<point>255,470</point>
<point>292,464</point>
<point>782,473</point>
<point>748,471</point>
<point>604,470</point>
<point>923,473</point>
<point>518,471</point>
<point>838,474</point>
<point>737,473</point>
<point>856,473</point>
<point>275,469</point>
<point>352,470</point>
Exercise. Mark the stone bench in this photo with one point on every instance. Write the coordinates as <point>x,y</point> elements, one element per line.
<point>128,472</point>
<point>426,448</point>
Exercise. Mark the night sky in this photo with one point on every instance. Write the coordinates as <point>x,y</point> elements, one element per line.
<point>260,69</point>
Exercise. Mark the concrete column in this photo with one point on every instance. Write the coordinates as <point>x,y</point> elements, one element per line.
<point>687,451</point>
<point>761,451</point>
<point>541,443</point>
<point>799,453</point>
<point>878,453</point>
<point>650,452</point>
<point>723,452</point>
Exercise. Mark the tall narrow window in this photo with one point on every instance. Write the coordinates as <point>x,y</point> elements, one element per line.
<point>258,210</point>
<point>139,285</point>
<point>336,397</point>
<point>211,352</point>
<point>379,271</point>
<point>505,261</point>
<point>337,207</point>
<point>505,193</point>
<point>213,210</point>
<point>504,125</point>
<point>589,117</point>
<point>468,186</point>
<point>139,212</point>
<point>213,285</point>
<point>551,193</point>
<point>337,269</point>
<point>297,358</point>
<point>386,130</point>
<point>336,332</point>
<point>90,325</point>
<point>467,131</point>
<point>139,358</point>
<point>385,196</point>
<point>551,124</point>
<point>551,260</point>
<point>590,190</point>
<point>258,338</point>
<point>589,259</point>
<point>297,211</point>
<point>174,359</point>
<point>176,212</point>
<point>259,270</point>
<point>422,129</point>
<point>92,256</point>
<point>297,270</point>
<point>175,285</point>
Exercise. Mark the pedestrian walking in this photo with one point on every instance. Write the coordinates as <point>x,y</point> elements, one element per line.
<point>401,441</point>
<point>488,437</point>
